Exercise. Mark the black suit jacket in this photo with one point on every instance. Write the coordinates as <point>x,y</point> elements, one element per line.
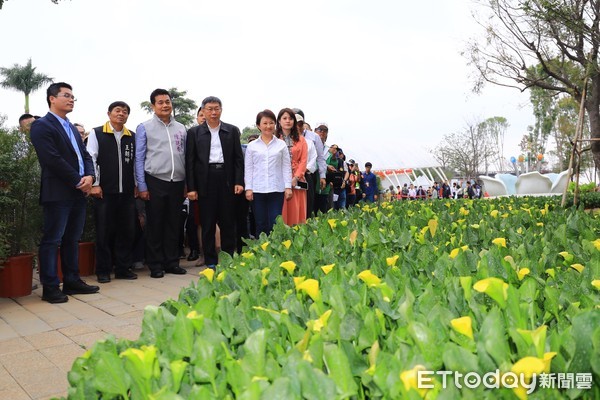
<point>58,160</point>
<point>197,153</point>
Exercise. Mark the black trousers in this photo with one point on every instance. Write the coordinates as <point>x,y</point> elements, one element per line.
<point>162,223</point>
<point>310,194</point>
<point>241,217</point>
<point>115,229</point>
<point>218,206</point>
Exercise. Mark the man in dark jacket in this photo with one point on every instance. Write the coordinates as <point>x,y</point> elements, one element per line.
<point>214,175</point>
<point>67,178</point>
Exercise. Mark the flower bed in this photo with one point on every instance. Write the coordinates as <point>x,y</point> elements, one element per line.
<point>353,305</point>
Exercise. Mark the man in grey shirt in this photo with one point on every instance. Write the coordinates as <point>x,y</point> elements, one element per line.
<point>160,175</point>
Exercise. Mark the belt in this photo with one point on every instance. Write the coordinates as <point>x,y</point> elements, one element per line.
<point>216,165</point>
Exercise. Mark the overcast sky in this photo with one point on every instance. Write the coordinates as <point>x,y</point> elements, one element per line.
<point>387,76</point>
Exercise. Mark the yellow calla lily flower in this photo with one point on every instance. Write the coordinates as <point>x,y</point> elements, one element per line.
<point>332,223</point>
<point>287,244</point>
<point>320,323</point>
<point>548,360</point>
<point>248,254</point>
<point>327,268</point>
<point>410,381</point>
<point>298,280</point>
<point>529,366</point>
<point>391,261</point>
<point>578,267</point>
<point>568,257</point>
<point>494,213</point>
<point>265,245</point>
<point>289,266</point>
<point>463,325</point>
<point>494,287</point>
<point>551,272</point>
<point>596,283</point>
<point>310,287</point>
<point>369,278</point>
<point>501,242</point>
<point>209,273</point>
<point>596,244</point>
<point>522,273</point>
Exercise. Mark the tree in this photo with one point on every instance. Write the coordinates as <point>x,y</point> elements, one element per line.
<point>247,132</point>
<point>23,79</point>
<point>2,2</point>
<point>563,37</point>
<point>184,109</point>
<point>495,129</point>
<point>468,152</point>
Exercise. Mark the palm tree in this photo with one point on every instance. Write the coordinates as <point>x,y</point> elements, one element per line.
<point>24,79</point>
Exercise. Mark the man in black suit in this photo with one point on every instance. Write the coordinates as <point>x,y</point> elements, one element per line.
<point>214,174</point>
<point>67,177</point>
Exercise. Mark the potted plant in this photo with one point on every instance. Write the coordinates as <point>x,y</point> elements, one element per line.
<point>20,214</point>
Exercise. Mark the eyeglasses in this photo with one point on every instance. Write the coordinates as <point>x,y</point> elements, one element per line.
<point>66,96</point>
<point>211,109</point>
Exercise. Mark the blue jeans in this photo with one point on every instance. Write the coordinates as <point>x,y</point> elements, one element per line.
<point>340,204</point>
<point>63,225</point>
<point>267,206</point>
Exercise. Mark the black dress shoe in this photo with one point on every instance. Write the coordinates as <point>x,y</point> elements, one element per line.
<point>103,278</point>
<point>79,287</point>
<point>157,274</point>
<point>52,294</point>
<point>125,275</point>
<point>193,255</point>
<point>175,270</point>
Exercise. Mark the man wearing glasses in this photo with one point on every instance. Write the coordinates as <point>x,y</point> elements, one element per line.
<point>215,174</point>
<point>67,177</point>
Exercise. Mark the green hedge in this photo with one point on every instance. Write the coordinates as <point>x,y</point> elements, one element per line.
<point>353,304</point>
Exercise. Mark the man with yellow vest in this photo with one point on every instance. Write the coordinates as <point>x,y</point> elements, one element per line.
<point>112,147</point>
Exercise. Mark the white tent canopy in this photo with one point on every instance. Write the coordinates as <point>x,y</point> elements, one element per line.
<point>396,166</point>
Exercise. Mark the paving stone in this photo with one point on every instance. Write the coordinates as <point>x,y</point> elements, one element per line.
<point>87,340</point>
<point>23,363</point>
<point>15,345</point>
<point>130,332</point>
<point>6,331</point>
<point>63,356</point>
<point>40,383</point>
<point>6,380</point>
<point>14,394</point>
<point>48,339</point>
<point>78,328</point>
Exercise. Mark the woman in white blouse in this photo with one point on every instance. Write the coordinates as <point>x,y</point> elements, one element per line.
<point>268,173</point>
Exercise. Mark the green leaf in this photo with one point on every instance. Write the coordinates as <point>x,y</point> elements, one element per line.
<point>254,359</point>
<point>109,375</point>
<point>339,370</point>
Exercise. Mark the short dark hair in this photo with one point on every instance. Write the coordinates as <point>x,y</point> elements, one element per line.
<point>158,92</point>
<point>78,124</point>
<point>265,114</point>
<point>54,89</point>
<point>368,164</point>
<point>119,104</point>
<point>198,112</point>
<point>25,116</point>
<point>211,99</point>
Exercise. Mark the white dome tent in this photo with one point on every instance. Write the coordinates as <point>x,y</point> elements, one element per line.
<point>396,166</point>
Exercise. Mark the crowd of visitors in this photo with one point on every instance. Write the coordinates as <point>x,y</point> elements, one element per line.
<point>160,186</point>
